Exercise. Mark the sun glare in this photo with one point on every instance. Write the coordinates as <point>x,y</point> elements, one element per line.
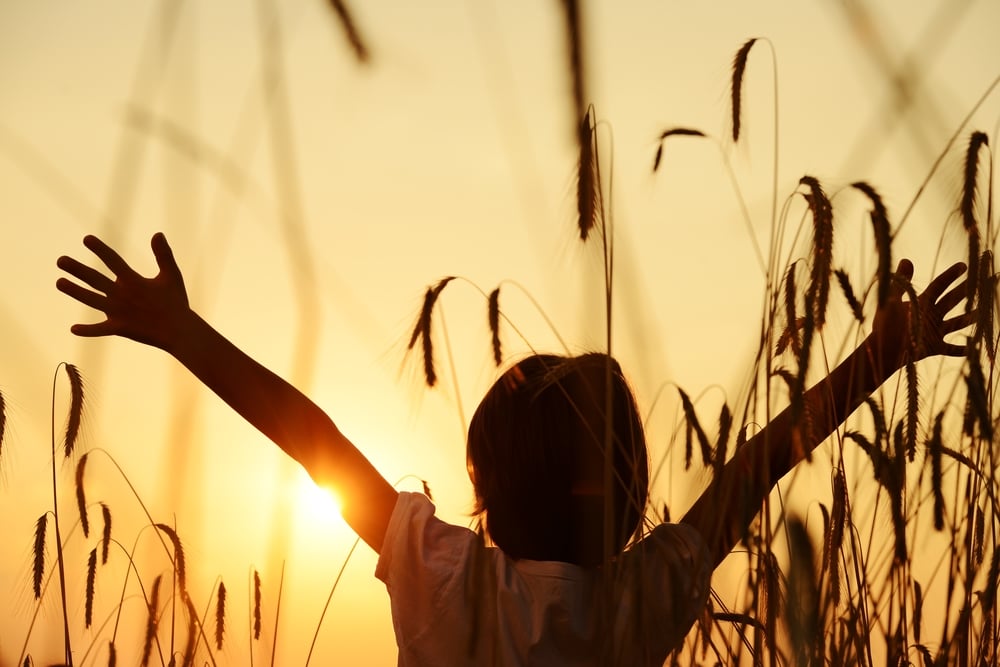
<point>314,502</point>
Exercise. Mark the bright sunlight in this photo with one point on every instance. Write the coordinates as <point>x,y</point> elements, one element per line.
<point>314,502</point>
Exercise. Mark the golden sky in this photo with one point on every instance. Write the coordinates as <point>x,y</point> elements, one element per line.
<point>290,180</point>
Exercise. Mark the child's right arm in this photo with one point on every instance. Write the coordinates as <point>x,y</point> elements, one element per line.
<point>155,311</point>
<point>727,507</point>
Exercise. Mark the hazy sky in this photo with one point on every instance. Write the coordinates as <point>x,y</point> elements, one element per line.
<point>291,179</point>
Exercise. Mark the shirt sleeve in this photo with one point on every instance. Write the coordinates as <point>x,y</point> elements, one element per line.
<point>422,564</point>
<point>671,576</point>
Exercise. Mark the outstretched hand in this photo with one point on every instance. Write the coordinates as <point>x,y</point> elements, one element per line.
<point>147,310</point>
<point>895,337</point>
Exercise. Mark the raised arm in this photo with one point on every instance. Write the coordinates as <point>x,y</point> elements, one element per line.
<point>726,508</point>
<point>155,311</point>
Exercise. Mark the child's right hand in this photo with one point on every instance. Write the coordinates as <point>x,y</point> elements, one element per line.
<point>147,310</point>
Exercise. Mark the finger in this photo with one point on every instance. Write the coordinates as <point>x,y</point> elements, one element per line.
<point>954,297</point>
<point>93,330</point>
<point>953,350</point>
<point>111,259</point>
<point>959,322</point>
<point>88,275</point>
<point>905,269</point>
<point>165,256</point>
<point>902,277</point>
<point>943,279</point>
<point>82,294</point>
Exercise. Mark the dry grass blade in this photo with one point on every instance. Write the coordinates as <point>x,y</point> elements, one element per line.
<point>792,322</point>
<point>105,533</point>
<point>912,409</point>
<point>3,423</point>
<point>845,286</point>
<point>688,444</point>
<point>978,398</point>
<point>256,604</point>
<point>970,189</point>
<point>692,418</point>
<point>736,90</point>
<point>75,408</point>
<point>725,426</point>
<point>350,31</point>
<point>192,633</point>
<point>220,616</point>
<point>673,132</point>
<point>493,315</point>
<point>771,598</point>
<point>897,473</point>
<point>179,565</point>
<point>883,238</point>
<point>986,292</point>
<point>934,450</point>
<point>970,186</point>
<point>790,337</point>
<point>88,614</point>
<point>803,595</point>
<point>38,553</point>
<point>586,181</point>
<point>152,621</point>
<point>822,266</point>
<point>918,609</point>
<point>574,44</point>
<point>422,330</point>
<point>978,549</point>
<point>81,498</point>
<point>838,524</point>
<point>112,655</point>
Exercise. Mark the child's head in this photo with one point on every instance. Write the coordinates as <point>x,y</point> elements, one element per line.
<point>536,457</point>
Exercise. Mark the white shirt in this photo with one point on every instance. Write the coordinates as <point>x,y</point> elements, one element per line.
<point>457,602</point>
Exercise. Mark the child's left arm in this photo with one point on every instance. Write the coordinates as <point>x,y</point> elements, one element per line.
<point>155,311</point>
<point>726,508</point>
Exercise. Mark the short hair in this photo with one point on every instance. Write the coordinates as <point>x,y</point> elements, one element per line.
<point>536,453</point>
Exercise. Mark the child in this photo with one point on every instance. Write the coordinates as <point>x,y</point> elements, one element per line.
<point>559,587</point>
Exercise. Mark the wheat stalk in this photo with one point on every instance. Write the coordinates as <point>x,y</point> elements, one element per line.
<point>220,615</point>
<point>152,621</point>
<point>736,88</point>
<point>75,408</point>
<point>422,330</point>
<point>81,498</point>
<point>91,577</point>
<point>38,560</point>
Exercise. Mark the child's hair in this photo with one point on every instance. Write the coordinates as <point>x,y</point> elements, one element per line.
<point>536,458</point>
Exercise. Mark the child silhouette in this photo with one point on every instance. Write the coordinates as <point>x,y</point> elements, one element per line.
<point>558,461</point>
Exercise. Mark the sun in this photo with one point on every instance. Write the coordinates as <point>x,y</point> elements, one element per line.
<point>314,502</point>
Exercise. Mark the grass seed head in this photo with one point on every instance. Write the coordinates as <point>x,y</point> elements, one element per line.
<point>586,183</point>
<point>152,620</point>
<point>38,553</point>
<point>179,565</point>
<point>220,615</point>
<point>350,28</point>
<point>256,604</point>
<point>736,88</point>
<point>91,577</point>
<point>105,533</point>
<point>81,498</point>
<point>883,238</point>
<point>493,315</point>
<point>75,408</point>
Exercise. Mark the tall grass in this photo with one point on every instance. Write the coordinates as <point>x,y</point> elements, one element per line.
<point>895,561</point>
